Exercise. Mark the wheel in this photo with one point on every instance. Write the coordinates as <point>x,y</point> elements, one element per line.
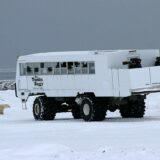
<point>76,112</point>
<point>87,110</point>
<point>42,109</point>
<point>134,109</point>
<point>125,111</point>
<point>139,109</point>
<point>90,112</point>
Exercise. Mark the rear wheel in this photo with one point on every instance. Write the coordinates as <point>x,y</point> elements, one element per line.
<point>43,109</point>
<point>90,111</point>
<point>134,109</point>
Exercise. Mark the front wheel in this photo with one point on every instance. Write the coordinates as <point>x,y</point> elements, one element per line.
<point>43,109</point>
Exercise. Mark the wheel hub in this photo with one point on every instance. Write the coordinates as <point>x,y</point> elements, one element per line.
<point>86,109</point>
<point>37,109</point>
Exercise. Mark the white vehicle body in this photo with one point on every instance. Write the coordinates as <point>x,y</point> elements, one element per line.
<point>111,78</point>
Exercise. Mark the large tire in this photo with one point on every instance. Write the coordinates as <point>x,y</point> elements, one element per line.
<point>134,109</point>
<point>91,112</point>
<point>125,111</point>
<point>76,112</point>
<point>42,109</point>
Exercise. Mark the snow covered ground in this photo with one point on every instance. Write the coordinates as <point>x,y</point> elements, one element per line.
<point>21,137</point>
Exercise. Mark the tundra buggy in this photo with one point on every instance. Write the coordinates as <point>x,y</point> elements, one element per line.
<point>88,83</point>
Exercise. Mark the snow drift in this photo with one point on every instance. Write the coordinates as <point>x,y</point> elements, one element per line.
<point>21,137</point>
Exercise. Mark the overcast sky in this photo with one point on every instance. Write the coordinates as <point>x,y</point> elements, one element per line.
<point>30,26</point>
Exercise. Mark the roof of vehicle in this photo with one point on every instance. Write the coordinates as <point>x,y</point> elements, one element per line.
<point>65,53</point>
<point>73,53</point>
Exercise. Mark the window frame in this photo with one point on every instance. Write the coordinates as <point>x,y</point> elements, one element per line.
<point>59,68</point>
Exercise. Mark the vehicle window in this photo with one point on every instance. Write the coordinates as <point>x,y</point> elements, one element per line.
<point>29,69</point>
<point>91,68</point>
<point>56,67</point>
<point>36,68</point>
<point>43,69</point>
<point>84,68</point>
<point>63,68</point>
<point>78,69</point>
<point>49,68</point>
<point>22,67</point>
<point>70,68</point>
<point>42,65</point>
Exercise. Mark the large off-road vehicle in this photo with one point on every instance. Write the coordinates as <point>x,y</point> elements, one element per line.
<point>88,83</point>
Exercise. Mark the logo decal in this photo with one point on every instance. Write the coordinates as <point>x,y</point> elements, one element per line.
<point>37,81</point>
